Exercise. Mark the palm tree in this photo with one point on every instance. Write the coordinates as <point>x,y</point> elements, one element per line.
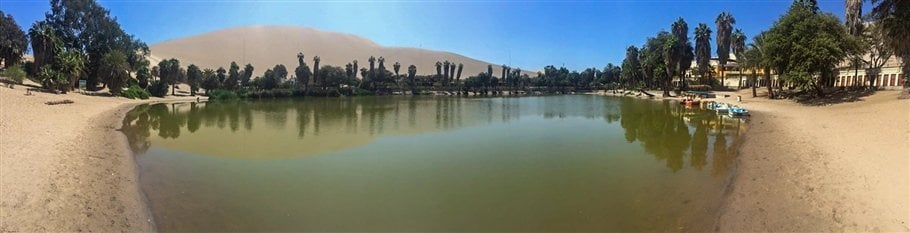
<point>684,54</point>
<point>300,58</point>
<point>517,74</point>
<point>490,75</point>
<point>412,71</point>
<point>316,80</point>
<point>452,72</point>
<point>739,48</point>
<point>396,67</point>
<point>114,71</point>
<point>381,77</point>
<point>354,67</point>
<point>762,60</point>
<point>44,42</point>
<point>370,73</point>
<point>703,50</point>
<point>458,77</point>
<point>670,56</point>
<point>724,23</point>
<point>438,69</point>
<point>505,70</point>
<point>303,74</point>
<point>71,64</point>
<point>445,73</point>
<point>893,16</point>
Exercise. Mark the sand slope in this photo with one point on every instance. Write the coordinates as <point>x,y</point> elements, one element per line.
<point>266,46</point>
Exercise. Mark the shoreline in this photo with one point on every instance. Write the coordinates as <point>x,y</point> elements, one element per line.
<point>792,172</point>
<point>68,167</point>
<point>801,168</point>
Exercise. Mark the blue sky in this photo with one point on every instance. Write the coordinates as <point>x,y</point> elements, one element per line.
<point>526,34</point>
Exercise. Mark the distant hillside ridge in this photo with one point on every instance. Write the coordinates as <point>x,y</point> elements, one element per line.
<point>266,46</point>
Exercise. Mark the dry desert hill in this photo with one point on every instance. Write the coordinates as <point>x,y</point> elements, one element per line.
<point>266,46</point>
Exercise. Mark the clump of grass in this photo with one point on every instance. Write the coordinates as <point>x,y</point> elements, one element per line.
<point>15,73</point>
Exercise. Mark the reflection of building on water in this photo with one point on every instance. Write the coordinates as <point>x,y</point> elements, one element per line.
<point>680,137</point>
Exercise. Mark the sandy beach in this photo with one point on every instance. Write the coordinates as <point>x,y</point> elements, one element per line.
<point>842,167</point>
<point>65,168</point>
<point>803,168</point>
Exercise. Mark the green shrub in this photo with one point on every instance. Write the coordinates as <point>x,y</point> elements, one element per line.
<point>135,92</point>
<point>15,73</point>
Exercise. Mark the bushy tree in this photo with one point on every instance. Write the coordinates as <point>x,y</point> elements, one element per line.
<point>13,42</point>
<point>87,27</point>
<point>805,45</point>
<point>333,76</point>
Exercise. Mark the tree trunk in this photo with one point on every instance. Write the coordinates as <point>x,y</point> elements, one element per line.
<point>754,81</point>
<point>768,80</point>
<point>723,76</point>
<point>740,84</point>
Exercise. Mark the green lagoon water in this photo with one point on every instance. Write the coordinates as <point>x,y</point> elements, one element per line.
<point>552,163</point>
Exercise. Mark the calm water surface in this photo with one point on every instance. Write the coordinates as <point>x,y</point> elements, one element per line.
<point>555,163</point>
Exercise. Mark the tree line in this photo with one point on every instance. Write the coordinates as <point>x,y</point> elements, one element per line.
<point>79,40</point>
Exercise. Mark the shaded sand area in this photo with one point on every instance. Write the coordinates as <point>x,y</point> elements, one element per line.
<point>65,167</point>
<point>842,167</point>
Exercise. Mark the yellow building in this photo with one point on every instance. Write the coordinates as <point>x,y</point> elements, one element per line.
<point>889,76</point>
<point>732,72</point>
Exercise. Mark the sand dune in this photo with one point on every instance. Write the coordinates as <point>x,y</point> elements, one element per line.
<point>266,46</point>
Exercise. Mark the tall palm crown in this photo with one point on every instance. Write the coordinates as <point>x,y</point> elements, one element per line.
<point>438,68</point>
<point>738,43</point>
<point>703,49</point>
<point>354,67</point>
<point>684,54</point>
<point>724,23</point>
<point>300,58</point>
<point>412,70</point>
<point>452,71</point>
<point>372,61</point>
<point>460,67</point>
<point>316,60</point>
<point>396,67</point>
<point>445,71</point>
